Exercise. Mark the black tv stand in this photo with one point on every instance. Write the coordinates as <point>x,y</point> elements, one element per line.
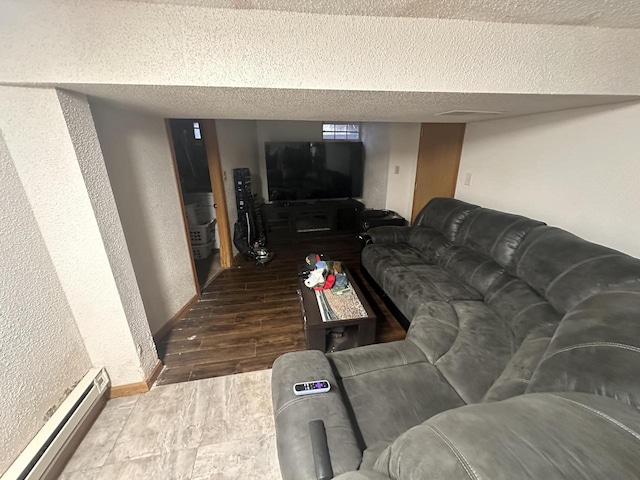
<point>286,221</point>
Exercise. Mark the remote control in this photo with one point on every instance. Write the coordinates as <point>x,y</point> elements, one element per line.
<point>315,386</point>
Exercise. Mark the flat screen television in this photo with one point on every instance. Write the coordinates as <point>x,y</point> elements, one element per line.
<point>314,170</point>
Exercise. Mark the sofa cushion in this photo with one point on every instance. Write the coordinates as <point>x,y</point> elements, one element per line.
<point>530,437</point>
<point>596,349</point>
<point>468,343</point>
<point>377,259</point>
<point>445,215</point>
<point>495,234</point>
<point>411,287</point>
<point>387,397</point>
<point>566,269</point>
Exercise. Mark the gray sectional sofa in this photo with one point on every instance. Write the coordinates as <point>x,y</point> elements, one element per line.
<point>522,359</point>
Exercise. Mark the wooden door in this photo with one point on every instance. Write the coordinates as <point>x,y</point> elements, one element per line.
<point>438,163</point>
<point>210,137</point>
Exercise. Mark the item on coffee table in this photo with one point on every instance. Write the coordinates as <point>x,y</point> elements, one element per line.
<point>341,281</point>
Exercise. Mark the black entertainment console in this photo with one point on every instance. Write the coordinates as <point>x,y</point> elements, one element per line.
<point>294,220</point>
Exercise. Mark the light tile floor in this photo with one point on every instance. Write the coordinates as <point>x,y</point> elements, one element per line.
<point>215,429</point>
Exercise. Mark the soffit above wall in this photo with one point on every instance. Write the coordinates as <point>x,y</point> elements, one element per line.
<point>129,43</point>
<point>595,13</point>
<point>291,104</point>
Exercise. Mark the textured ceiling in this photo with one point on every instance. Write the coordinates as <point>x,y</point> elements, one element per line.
<point>196,61</point>
<point>290,104</point>
<point>596,13</point>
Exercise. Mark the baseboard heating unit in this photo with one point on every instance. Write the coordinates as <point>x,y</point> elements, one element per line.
<point>45,456</point>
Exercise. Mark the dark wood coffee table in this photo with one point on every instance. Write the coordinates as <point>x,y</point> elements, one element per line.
<point>357,331</point>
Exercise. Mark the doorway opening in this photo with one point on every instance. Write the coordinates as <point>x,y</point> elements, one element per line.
<point>198,197</point>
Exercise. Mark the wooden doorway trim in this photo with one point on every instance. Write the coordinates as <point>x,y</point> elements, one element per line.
<point>210,137</point>
<point>172,149</point>
<point>438,163</point>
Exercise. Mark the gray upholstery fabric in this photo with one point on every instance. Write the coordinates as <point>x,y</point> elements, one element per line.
<point>466,341</point>
<point>293,414</point>
<point>370,358</point>
<point>389,234</point>
<point>412,287</point>
<point>566,269</point>
<point>381,258</point>
<point>535,329</point>
<point>516,376</point>
<point>495,234</point>
<point>372,452</point>
<point>429,242</point>
<point>471,267</point>
<point>530,437</point>
<point>445,215</point>
<point>519,305</point>
<point>389,388</point>
<point>596,349</point>
<point>362,475</point>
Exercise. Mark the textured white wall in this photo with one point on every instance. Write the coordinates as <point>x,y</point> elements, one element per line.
<point>138,159</point>
<point>577,169</point>
<point>63,174</point>
<point>41,351</point>
<point>237,147</point>
<point>158,44</point>
<point>376,140</point>
<point>84,138</point>
<point>404,140</point>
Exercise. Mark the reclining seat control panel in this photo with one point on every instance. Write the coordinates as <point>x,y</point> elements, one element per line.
<point>315,386</point>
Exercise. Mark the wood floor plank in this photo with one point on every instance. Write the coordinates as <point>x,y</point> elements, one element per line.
<point>250,315</point>
<point>233,352</point>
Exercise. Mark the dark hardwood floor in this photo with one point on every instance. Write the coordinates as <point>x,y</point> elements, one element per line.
<point>249,315</point>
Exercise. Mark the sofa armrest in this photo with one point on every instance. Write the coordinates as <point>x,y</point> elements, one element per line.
<point>531,436</point>
<point>293,413</point>
<point>389,234</point>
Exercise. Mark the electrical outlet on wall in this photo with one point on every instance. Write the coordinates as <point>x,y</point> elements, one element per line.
<point>396,170</point>
<point>224,175</point>
<point>467,179</point>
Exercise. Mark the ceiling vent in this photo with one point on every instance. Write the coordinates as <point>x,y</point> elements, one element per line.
<point>459,113</point>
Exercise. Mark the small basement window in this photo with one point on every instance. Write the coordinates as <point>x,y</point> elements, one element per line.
<point>341,131</point>
<point>196,131</point>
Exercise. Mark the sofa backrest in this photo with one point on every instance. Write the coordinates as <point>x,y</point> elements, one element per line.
<point>444,215</point>
<point>495,234</point>
<point>566,269</point>
<point>596,349</point>
<point>484,246</point>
